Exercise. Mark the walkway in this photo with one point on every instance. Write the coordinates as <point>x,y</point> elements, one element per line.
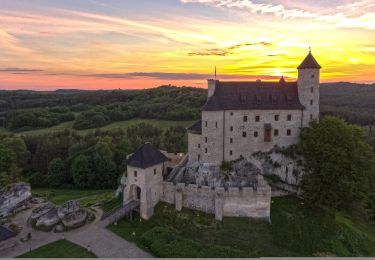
<point>103,242</point>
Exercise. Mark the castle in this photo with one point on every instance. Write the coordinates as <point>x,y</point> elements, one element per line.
<point>238,120</point>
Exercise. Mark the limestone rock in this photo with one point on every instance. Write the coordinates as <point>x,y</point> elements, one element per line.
<point>13,197</point>
<point>48,220</point>
<point>75,219</point>
<point>68,207</point>
<point>59,228</point>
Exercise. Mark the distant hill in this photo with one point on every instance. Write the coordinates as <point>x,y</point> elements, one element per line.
<point>354,102</point>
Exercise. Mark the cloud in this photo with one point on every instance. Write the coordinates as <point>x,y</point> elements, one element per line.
<point>357,15</point>
<point>20,70</point>
<point>180,76</point>
<point>227,50</point>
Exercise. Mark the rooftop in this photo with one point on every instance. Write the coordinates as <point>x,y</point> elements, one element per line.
<point>255,95</point>
<point>146,156</point>
<point>309,63</point>
<point>196,128</point>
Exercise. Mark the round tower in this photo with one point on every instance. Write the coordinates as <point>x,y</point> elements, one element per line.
<point>308,88</point>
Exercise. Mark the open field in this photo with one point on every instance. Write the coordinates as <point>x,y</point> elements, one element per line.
<point>296,230</point>
<point>59,249</point>
<point>164,124</point>
<point>86,197</point>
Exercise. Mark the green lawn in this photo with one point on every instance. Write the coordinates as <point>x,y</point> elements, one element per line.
<point>116,125</point>
<point>296,230</point>
<point>59,249</point>
<point>86,197</point>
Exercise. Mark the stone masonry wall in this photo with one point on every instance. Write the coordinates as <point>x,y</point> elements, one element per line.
<point>246,202</point>
<point>194,147</point>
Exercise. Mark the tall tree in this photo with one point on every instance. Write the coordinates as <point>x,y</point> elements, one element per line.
<point>340,165</point>
<point>57,173</point>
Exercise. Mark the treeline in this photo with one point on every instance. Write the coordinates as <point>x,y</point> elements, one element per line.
<point>66,159</point>
<point>28,109</point>
<point>353,102</point>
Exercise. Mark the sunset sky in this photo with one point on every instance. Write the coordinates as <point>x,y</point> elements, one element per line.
<point>108,44</point>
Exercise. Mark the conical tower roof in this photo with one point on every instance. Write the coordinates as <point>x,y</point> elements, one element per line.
<point>309,63</point>
<point>146,156</point>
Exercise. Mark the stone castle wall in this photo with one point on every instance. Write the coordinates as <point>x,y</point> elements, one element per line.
<point>247,202</point>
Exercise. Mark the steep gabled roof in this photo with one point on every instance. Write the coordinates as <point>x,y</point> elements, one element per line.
<point>146,156</point>
<point>196,128</point>
<point>309,63</point>
<point>255,95</point>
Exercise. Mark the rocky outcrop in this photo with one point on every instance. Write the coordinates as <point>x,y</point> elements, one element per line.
<point>13,197</point>
<point>70,215</point>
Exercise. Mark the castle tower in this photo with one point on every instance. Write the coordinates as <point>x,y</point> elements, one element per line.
<point>145,170</point>
<point>308,88</point>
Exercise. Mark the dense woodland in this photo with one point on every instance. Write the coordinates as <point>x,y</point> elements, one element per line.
<point>95,159</point>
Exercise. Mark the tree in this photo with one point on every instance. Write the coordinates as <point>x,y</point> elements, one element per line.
<point>175,139</point>
<point>57,173</point>
<point>340,166</point>
<point>7,158</point>
<point>80,171</point>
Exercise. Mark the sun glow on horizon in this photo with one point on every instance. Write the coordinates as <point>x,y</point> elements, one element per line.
<point>120,44</point>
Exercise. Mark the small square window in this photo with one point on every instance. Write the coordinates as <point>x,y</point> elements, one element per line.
<point>257,118</point>
<point>312,76</point>
<point>231,113</point>
<point>277,117</point>
<point>135,173</point>
<point>256,134</point>
<point>289,118</point>
<point>275,132</point>
<point>288,132</point>
<point>244,134</point>
<point>245,118</point>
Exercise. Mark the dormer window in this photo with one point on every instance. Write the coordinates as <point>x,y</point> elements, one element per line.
<point>243,99</point>
<point>273,99</point>
<point>258,99</point>
<point>288,99</point>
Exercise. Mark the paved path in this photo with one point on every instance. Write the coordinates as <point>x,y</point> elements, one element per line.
<point>102,242</point>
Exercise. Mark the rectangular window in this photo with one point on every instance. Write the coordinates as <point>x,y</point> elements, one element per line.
<point>231,113</point>
<point>257,118</point>
<point>245,118</point>
<point>206,123</point>
<point>230,152</point>
<point>231,140</point>
<point>244,134</point>
<point>216,124</point>
<point>312,89</point>
<point>206,139</point>
<point>205,150</point>
<point>199,145</point>
<point>289,118</point>
<point>199,157</point>
<point>154,171</point>
<point>311,117</point>
<point>276,132</point>
<point>277,117</point>
<point>256,134</point>
<point>311,102</point>
<point>135,173</point>
<point>231,128</point>
<point>288,132</point>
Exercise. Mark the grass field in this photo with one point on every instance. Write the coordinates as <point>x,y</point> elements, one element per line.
<point>86,197</point>
<point>59,249</point>
<point>164,124</point>
<point>296,230</point>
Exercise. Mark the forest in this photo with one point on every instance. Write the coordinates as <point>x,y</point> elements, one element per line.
<point>94,159</point>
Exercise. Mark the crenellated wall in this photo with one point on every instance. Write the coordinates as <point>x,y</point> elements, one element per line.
<point>245,202</point>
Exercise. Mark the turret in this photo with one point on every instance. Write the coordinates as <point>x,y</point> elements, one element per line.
<point>211,87</point>
<point>308,88</point>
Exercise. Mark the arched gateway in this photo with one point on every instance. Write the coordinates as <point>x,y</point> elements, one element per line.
<point>145,170</point>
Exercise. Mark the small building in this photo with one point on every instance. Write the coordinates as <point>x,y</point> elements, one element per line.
<point>145,169</point>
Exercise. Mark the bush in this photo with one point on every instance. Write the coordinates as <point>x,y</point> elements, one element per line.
<point>38,180</point>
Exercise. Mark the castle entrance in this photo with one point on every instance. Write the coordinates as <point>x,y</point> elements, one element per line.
<point>135,192</point>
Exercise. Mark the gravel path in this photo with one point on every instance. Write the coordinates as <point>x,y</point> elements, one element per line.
<point>102,242</point>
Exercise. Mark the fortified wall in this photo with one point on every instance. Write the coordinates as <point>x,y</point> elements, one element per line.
<point>234,202</point>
